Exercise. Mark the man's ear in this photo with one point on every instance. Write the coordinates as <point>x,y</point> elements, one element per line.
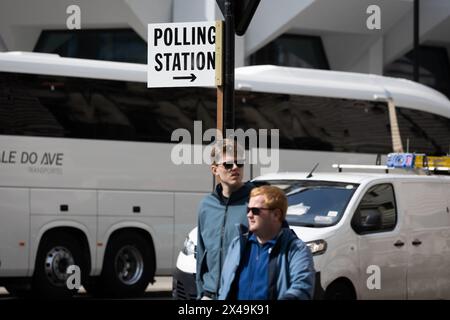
<point>279,214</point>
<point>214,170</point>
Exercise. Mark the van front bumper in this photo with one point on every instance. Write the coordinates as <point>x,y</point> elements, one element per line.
<point>183,285</point>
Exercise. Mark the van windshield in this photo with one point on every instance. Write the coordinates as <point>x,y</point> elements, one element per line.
<point>316,203</point>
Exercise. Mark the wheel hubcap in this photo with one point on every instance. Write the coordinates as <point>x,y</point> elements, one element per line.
<point>129,265</point>
<point>57,261</point>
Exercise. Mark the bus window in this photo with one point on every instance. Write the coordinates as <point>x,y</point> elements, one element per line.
<point>427,132</point>
<point>318,123</point>
<point>102,109</point>
<point>27,115</point>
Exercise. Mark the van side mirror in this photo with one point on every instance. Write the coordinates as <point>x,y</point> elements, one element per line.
<point>367,219</point>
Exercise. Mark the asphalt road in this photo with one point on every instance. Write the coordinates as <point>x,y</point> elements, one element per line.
<point>160,290</point>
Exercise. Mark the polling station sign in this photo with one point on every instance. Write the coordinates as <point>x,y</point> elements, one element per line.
<point>181,54</point>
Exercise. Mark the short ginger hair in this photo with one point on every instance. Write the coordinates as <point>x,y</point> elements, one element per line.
<point>274,198</point>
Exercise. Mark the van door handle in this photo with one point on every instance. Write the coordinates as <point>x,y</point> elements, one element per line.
<point>416,242</point>
<point>399,243</point>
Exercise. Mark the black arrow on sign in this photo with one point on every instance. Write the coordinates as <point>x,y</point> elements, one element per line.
<point>192,77</point>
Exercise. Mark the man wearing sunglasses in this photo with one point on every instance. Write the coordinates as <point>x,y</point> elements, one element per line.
<point>267,261</point>
<point>219,213</point>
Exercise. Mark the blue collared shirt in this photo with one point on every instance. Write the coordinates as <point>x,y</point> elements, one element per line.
<point>253,281</point>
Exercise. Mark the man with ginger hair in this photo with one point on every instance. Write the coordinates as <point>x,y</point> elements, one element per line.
<point>267,261</point>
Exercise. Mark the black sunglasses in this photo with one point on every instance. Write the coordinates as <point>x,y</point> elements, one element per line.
<point>256,211</point>
<point>229,166</point>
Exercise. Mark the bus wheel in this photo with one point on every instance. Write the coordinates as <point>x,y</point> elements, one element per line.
<point>127,268</point>
<point>56,253</point>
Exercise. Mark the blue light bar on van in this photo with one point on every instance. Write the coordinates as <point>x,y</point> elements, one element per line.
<point>400,160</point>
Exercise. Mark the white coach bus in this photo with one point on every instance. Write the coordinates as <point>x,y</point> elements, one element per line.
<point>86,176</point>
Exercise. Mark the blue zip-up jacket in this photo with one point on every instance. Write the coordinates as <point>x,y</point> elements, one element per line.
<point>217,220</point>
<point>291,267</point>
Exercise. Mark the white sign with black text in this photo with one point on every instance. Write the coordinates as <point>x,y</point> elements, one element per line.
<point>181,54</point>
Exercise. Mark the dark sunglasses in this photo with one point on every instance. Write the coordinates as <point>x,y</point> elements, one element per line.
<point>229,166</point>
<point>256,211</point>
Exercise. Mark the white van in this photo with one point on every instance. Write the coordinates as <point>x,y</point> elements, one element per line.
<point>372,235</point>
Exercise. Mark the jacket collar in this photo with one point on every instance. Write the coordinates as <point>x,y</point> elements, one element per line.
<point>239,194</point>
<point>283,238</point>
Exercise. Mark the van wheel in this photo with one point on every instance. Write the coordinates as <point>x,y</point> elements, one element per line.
<point>56,253</point>
<point>340,291</point>
<point>127,268</point>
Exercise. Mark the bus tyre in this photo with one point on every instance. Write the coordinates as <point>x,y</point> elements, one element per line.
<point>340,291</point>
<point>56,253</point>
<point>127,269</point>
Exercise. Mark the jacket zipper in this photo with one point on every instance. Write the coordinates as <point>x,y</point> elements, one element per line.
<point>222,234</point>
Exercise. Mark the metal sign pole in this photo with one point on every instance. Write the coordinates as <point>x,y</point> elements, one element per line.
<point>238,15</point>
<point>219,77</point>
<point>416,49</point>
<point>228,88</point>
<point>219,86</point>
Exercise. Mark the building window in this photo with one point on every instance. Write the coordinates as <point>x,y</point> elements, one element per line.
<point>293,51</point>
<point>434,70</point>
<point>122,45</point>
